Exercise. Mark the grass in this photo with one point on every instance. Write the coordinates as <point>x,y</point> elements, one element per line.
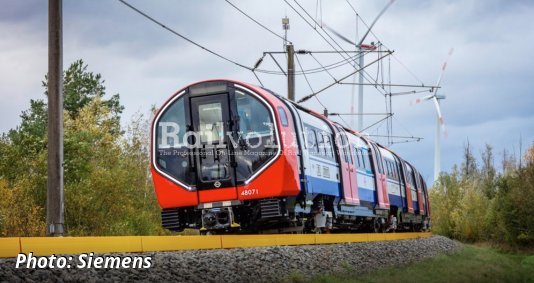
<point>471,264</point>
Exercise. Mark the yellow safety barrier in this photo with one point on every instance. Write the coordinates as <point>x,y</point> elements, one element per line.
<point>9,247</point>
<point>177,243</point>
<point>76,245</point>
<point>44,246</point>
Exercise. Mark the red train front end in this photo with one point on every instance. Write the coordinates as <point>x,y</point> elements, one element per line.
<point>224,157</point>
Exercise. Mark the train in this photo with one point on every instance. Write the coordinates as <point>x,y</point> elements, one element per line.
<point>232,157</point>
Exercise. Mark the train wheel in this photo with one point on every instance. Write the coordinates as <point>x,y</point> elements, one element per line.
<point>378,225</point>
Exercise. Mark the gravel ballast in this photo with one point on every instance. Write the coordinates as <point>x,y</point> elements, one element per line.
<point>269,264</point>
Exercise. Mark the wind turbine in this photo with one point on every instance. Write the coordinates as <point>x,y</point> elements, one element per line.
<point>440,125</point>
<point>360,47</point>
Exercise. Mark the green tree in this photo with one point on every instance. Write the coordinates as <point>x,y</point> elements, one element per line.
<point>108,190</point>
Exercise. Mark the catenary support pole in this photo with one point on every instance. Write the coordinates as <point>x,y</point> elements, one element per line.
<point>360,90</point>
<point>54,201</point>
<point>290,72</point>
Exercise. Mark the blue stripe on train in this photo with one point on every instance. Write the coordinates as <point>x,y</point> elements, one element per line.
<point>395,200</point>
<point>366,194</point>
<point>322,186</point>
<point>415,205</point>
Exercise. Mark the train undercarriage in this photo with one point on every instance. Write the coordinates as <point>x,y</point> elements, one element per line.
<point>289,215</point>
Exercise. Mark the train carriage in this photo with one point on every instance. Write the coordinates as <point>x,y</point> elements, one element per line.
<point>227,156</point>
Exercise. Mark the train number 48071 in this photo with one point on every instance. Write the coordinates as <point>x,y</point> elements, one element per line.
<point>250,192</point>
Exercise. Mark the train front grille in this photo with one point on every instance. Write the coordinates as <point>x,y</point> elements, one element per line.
<point>270,208</point>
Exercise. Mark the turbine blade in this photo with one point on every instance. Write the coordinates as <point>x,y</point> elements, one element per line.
<point>338,34</point>
<point>419,100</point>
<point>438,110</point>
<point>375,20</point>
<point>443,68</point>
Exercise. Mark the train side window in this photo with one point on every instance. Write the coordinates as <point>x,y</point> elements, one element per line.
<point>366,163</point>
<point>393,171</point>
<point>328,148</point>
<point>363,161</point>
<point>357,156</point>
<point>398,171</point>
<point>395,166</point>
<point>365,157</point>
<point>379,162</point>
<point>320,144</point>
<point>345,147</point>
<point>283,116</point>
<point>311,140</point>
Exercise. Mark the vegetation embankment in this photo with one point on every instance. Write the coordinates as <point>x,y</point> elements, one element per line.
<point>108,190</point>
<point>481,204</point>
<point>471,264</point>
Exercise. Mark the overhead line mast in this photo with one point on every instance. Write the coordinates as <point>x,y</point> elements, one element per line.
<point>55,208</point>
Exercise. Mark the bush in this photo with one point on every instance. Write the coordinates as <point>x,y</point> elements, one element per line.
<point>480,205</point>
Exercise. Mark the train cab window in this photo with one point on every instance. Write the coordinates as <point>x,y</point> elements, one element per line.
<point>283,116</point>
<point>171,152</point>
<point>254,117</point>
<point>256,129</point>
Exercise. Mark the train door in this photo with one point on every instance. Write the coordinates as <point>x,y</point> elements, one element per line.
<point>420,199</point>
<point>348,171</point>
<point>381,179</point>
<point>411,190</point>
<point>212,149</point>
<point>406,177</point>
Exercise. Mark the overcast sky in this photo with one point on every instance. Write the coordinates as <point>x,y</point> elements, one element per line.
<point>488,84</point>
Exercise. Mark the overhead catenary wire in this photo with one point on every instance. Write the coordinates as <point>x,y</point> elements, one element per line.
<point>215,53</point>
<point>255,21</point>
<point>308,82</point>
<point>394,57</point>
<point>327,34</point>
<point>309,71</point>
<point>324,68</point>
<point>378,39</point>
<point>183,37</point>
<point>161,24</point>
<point>343,78</point>
<point>379,121</point>
<point>315,27</point>
<point>346,124</point>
